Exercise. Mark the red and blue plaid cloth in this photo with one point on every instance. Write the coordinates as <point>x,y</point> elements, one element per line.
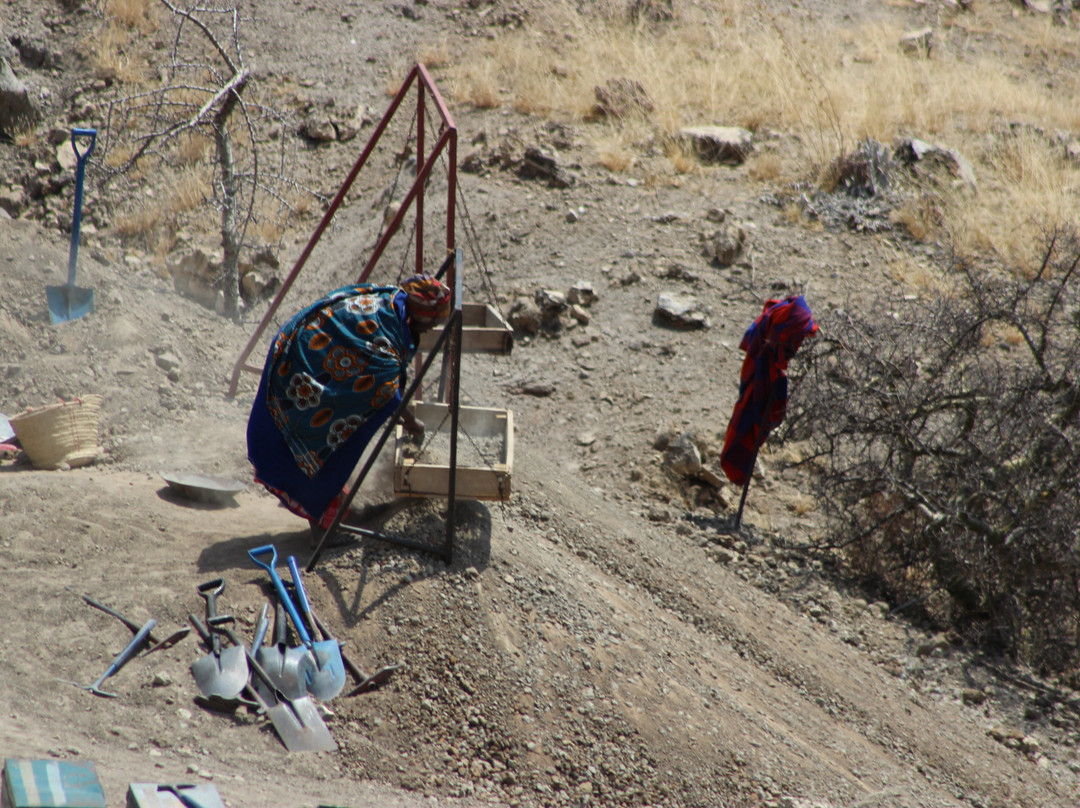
<point>772,339</point>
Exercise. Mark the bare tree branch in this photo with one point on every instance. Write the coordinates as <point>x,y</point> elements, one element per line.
<point>205,86</point>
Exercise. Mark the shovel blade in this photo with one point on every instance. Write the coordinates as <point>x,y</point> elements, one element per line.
<point>222,677</point>
<point>287,669</point>
<point>300,726</point>
<point>327,678</point>
<point>69,302</point>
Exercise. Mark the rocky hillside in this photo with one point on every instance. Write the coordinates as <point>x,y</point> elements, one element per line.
<point>599,638</point>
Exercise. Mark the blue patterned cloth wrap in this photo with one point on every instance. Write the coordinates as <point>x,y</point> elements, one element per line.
<point>334,365</point>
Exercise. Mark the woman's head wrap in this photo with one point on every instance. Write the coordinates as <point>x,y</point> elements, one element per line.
<point>426,297</point>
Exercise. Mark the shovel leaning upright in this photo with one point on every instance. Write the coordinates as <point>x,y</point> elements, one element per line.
<point>223,673</point>
<point>327,652</point>
<point>327,677</point>
<point>288,668</point>
<point>70,302</point>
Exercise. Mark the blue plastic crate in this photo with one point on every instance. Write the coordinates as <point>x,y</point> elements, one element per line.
<point>51,784</point>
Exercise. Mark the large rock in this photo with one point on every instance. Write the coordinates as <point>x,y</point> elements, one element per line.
<point>539,164</point>
<point>1072,152</point>
<point>621,97</point>
<point>918,43</point>
<point>552,303</point>
<point>18,109</point>
<point>524,316</point>
<point>7,50</point>
<point>725,244</point>
<point>651,11</point>
<point>719,144</point>
<point>318,128</point>
<point>12,201</point>
<point>682,457</point>
<point>932,158</point>
<point>681,310</point>
<point>197,276</point>
<point>582,293</point>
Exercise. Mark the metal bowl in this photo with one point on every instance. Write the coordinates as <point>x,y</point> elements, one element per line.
<point>203,487</point>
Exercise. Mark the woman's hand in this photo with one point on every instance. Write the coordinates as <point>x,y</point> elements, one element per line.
<point>413,425</point>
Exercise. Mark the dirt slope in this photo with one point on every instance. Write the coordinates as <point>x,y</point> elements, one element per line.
<point>596,640</point>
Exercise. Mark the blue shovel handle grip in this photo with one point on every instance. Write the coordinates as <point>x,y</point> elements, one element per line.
<point>271,567</point>
<point>76,216</point>
<point>77,133</point>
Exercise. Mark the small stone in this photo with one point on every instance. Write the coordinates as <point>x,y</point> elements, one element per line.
<point>167,361</point>
<point>582,293</point>
<point>971,696</point>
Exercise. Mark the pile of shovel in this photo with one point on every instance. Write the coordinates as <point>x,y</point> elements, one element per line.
<point>275,677</point>
<point>273,680</point>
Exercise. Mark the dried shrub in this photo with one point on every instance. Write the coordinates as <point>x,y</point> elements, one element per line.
<point>945,432</point>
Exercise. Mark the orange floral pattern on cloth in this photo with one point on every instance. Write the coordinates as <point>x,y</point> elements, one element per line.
<point>333,365</point>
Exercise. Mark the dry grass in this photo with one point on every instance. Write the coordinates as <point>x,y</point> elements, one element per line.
<point>802,504</point>
<point>616,160</point>
<point>192,147</point>
<point>680,155</point>
<point>140,14</point>
<point>1001,334</point>
<point>916,277</point>
<point>765,167</point>
<point>118,154</point>
<point>268,231</point>
<point>734,63</point>
<point>435,56</point>
<point>114,54</point>
<point>270,223</point>
<point>921,217</point>
<point>139,223</point>
<point>189,190</point>
<point>478,86</point>
<point>26,136</point>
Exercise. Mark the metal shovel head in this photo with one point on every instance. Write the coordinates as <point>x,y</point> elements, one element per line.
<point>69,302</point>
<point>222,676</point>
<point>300,726</point>
<point>287,668</point>
<point>296,721</point>
<point>327,677</point>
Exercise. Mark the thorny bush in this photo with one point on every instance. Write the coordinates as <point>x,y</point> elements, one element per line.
<point>944,433</point>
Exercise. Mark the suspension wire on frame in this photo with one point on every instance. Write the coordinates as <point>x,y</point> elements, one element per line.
<point>471,238</point>
<point>449,341</point>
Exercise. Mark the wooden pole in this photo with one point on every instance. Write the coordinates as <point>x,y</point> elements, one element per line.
<point>745,489</point>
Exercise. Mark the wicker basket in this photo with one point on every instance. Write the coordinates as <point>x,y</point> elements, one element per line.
<point>58,435</point>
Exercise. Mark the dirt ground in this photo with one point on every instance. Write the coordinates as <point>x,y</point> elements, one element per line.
<point>596,640</point>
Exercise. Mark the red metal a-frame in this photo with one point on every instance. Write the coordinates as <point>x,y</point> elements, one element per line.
<point>449,341</point>
<point>446,142</point>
